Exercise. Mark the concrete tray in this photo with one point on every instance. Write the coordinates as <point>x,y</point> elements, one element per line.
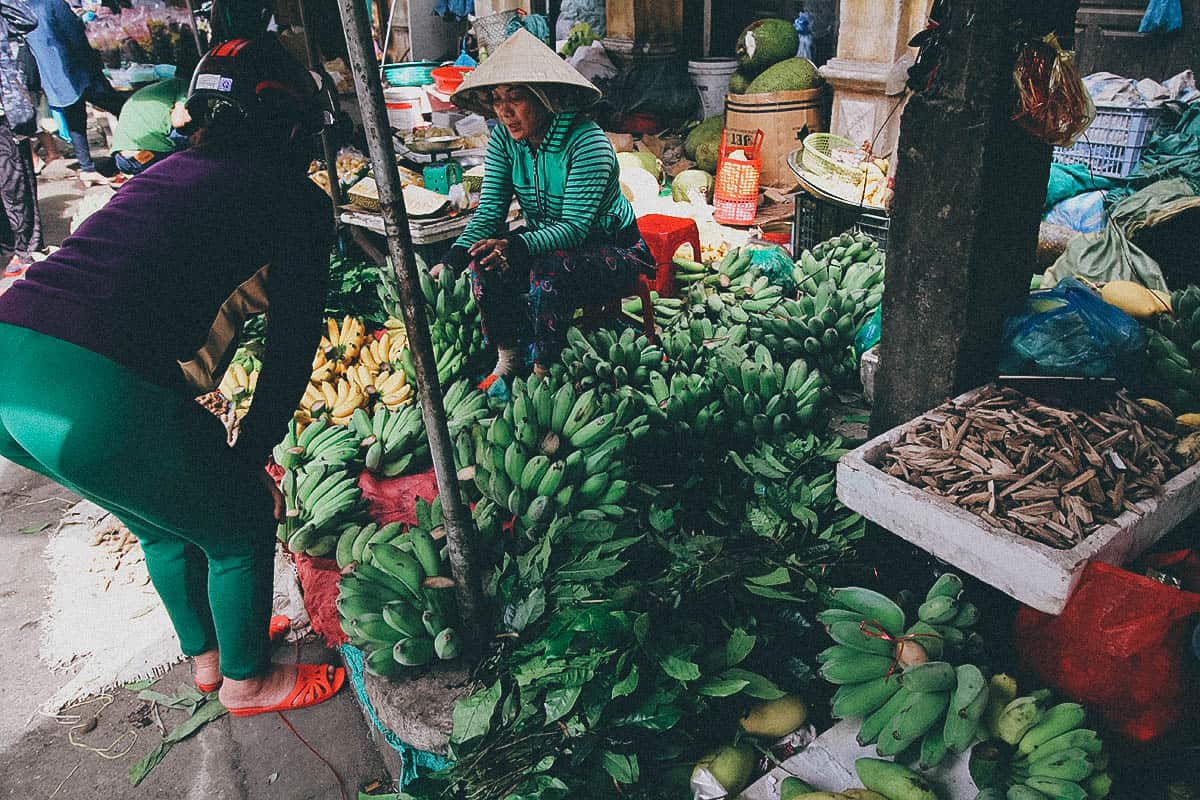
<point>1029,571</point>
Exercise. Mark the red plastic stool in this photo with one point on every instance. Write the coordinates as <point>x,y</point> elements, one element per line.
<point>663,235</point>
<point>597,314</point>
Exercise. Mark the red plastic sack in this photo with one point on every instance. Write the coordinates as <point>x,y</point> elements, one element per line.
<point>319,579</point>
<point>395,499</point>
<point>1119,647</point>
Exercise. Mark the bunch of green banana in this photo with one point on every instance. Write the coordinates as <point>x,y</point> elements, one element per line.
<point>452,315</point>
<point>393,442</point>
<point>553,449</point>
<point>1170,374</point>
<point>319,443</point>
<point>943,620</point>
<point>1182,326</point>
<point>685,403</point>
<point>851,261</point>
<point>666,309</point>
<point>605,360</point>
<point>734,266</point>
<point>354,540</point>
<point>317,497</point>
<point>688,271</point>
<point>398,603</point>
<point>1043,752</point>
<point>761,397</point>
<point>817,327</point>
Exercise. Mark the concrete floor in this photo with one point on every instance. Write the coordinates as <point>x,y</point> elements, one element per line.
<point>246,759</point>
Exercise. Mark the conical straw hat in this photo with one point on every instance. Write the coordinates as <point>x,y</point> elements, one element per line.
<point>524,59</point>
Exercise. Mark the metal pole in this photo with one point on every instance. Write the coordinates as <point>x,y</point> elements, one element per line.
<point>459,525</point>
<point>195,30</point>
<point>314,63</point>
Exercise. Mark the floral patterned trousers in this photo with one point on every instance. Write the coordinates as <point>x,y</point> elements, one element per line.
<point>532,304</point>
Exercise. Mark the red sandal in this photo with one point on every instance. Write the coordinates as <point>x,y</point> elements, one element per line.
<point>315,683</point>
<point>278,631</point>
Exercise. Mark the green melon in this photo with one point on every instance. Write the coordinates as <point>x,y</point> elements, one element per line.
<point>707,153</point>
<point>794,74</point>
<point>766,42</point>
<point>709,129</point>
<point>688,180</point>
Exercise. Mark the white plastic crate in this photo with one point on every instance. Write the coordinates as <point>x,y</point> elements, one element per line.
<point>1114,142</point>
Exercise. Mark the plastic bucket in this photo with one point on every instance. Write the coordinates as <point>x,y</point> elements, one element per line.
<point>711,77</point>
<point>403,107</point>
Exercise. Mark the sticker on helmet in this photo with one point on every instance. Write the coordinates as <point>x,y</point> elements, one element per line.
<point>207,81</point>
<point>225,85</point>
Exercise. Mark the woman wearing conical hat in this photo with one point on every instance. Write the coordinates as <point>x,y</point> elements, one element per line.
<point>581,241</point>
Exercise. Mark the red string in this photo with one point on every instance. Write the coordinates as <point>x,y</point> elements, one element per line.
<point>869,627</point>
<point>340,784</point>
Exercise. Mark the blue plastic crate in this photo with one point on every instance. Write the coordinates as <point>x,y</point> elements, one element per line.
<point>1113,144</point>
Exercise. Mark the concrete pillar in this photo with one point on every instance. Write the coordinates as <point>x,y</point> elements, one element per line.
<point>872,37</point>
<point>970,186</point>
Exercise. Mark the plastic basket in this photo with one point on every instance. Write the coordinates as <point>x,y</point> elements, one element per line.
<point>413,73</point>
<point>735,193</point>
<point>815,220</point>
<point>491,31</point>
<point>816,156</point>
<point>1113,144</point>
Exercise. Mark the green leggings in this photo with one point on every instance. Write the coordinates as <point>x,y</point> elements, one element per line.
<point>159,462</point>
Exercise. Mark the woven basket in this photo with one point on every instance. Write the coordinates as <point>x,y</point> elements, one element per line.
<point>491,31</point>
<point>817,159</point>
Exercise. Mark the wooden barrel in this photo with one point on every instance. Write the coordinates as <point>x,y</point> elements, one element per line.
<point>785,118</point>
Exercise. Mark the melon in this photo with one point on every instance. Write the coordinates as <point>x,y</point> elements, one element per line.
<point>707,154</point>
<point>766,42</point>
<point>689,181</point>
<point>709,129</point>
<point>641,160</point>
<point>792,75</point>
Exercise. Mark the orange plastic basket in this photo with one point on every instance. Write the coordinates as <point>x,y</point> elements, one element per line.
<point>735,195</point>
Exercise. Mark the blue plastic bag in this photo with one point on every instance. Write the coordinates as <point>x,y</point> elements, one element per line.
<point>1070,331</point>
<point>870,333</point>
<point>1162,16</point>
<point>803,26</point>
<point>1083,213</point>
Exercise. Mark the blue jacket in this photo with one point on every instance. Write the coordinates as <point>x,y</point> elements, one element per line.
<point>66,61</point>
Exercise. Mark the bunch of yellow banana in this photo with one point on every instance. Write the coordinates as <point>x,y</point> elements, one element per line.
<point>383,354</point>
<point>394,389</point>
<point>339,348</point>
<point>336,401</point>
<point>364,378</point>
<point>238,386</point>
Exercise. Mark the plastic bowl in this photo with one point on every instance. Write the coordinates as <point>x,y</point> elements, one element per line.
<point>413,73</point>
<point>447,79</point>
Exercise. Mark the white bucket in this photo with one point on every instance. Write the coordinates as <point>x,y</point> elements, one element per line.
<point>404,107</point>
<point>711,76</point>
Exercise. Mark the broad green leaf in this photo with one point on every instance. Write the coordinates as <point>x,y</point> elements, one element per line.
<point>772,594</point>
<point>590,570</point>
<point>559,702</point>
<point>722,687</point>
<point>779,576</point>
<point>627,685</point>
<point>679,668</point>
<point>528,610</point>
<point>622,768</point>
<point>473,715</point>
<point>737,647</point>
<point>756,685</point>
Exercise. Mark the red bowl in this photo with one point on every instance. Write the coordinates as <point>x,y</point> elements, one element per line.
<point>447,79</point>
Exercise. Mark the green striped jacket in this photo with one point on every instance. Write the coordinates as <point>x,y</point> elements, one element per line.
<point>567,188</point>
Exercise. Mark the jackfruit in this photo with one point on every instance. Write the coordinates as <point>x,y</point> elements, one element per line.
<point>792,75</point>
<point>739,81</point>
<point>766,42</point>
<point>707,154</point>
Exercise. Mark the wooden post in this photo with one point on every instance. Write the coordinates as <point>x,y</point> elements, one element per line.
<point>970,186</point>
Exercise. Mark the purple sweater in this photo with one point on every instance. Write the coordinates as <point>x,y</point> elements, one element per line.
<point>145,281</point>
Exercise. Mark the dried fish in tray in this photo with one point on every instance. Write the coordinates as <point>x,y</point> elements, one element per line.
<point>1053,475</point>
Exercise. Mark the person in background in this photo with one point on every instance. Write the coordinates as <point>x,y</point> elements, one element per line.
<point>20,225</point>
<point>106,344</point>
<point>150,124</point>
<point>582,242</point>
<point>71,76</point>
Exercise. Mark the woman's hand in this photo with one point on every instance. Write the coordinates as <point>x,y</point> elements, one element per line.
<point>276,495</point>
<point>490,253</point>
<point>437,269</point>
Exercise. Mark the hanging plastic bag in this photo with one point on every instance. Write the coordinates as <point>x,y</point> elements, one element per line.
<point>1162,16</point>
<point>803,26</point>
<point>1070,331</point>
<point>1054,106</point>
<point>1119,647</point>
<point>869,334</point>
<point>464,58</point>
